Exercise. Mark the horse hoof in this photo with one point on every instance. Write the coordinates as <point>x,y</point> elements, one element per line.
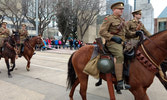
<point>71,98</point>
<point>28,69</point>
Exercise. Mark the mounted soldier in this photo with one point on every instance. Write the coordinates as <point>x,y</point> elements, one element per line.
<point>132,26</point>
<point>23,35</point>
<point>4,33</point>
<point>113,30</point>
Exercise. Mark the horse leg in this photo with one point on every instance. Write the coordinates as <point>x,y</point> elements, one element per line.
<point>110,86</point>
<point>73,88</point>
<point>140,94</point>
<point>83,86</point>
<point>13,64</point>
<point>8,67</point>
<point>28,63</point>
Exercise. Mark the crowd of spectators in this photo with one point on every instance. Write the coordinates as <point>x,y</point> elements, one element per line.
<point>72,44</point>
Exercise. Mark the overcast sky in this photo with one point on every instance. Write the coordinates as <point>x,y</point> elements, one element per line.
<point>158,5</point>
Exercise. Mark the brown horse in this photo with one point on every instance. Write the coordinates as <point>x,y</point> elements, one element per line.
<point>10,50</point>
<point>141,77</point>
<point>163,82</point>
<point>29,48</point>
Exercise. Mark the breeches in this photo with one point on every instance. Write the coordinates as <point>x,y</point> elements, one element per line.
<point>116,50</point>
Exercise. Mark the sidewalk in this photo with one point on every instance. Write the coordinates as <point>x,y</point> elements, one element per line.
<point>60,51</point>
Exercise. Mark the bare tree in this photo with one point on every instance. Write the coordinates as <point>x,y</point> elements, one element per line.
<point>46,12</point>
<point>12,10</point>
<point>65,18</point>
<point>86,12</point>
<point>77,13</point>
<point>2,18</point>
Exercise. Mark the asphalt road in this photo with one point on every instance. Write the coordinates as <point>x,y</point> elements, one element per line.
<point>46,80</point>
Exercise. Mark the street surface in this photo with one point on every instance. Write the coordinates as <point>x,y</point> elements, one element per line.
<point>46,80</point>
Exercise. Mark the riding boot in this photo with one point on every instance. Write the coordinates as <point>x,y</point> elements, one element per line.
<point>118,72</point>
<point>22,50</point>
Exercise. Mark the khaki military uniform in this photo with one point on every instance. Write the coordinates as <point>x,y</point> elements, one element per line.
<point>3,35</point>
<point>113,30</point>
<point>114,26</point>
<point>131,27</point>
<point>23,35</point>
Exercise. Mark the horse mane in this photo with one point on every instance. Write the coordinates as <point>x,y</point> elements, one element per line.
<point>157,33</point>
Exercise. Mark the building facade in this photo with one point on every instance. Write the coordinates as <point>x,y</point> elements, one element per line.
<point>160,23</point>
<point>147,13</point>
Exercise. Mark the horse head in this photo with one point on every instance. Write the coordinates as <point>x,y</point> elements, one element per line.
<point>39,41</point>
<point>16,36</point>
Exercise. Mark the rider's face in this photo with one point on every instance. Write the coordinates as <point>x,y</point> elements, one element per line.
<point>4,25</point>
<point>138,16</point>
<point>118,11</point>
<point>23,27</point>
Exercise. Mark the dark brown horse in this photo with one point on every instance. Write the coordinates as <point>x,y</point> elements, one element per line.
<point>10,50</point>
<point>29,48</point>
<point>141,76</point>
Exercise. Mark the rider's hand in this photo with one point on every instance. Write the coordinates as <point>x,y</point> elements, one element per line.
<point>139,33</point>
<point>116,39</point>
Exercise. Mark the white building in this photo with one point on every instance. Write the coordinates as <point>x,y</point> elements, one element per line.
<point>147,13</point>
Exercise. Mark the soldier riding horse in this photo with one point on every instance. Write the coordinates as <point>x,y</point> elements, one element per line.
<point>10,50</point>
<point>149,55</point>
<point>29,48</point>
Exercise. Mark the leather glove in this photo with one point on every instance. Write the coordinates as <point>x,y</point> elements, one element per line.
<point>139,33</point>
<point>116,39</point>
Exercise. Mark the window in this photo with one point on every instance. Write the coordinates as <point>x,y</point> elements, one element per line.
<point>162,26</point>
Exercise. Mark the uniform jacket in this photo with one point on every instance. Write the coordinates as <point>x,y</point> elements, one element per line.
<point>112,26</point>
<point>131,28</point>
<point>23,33</point>
<point>4,34</point>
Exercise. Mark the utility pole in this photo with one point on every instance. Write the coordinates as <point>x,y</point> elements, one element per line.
<point>36,2</point>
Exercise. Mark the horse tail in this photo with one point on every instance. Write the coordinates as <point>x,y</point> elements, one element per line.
<point>71,77</point>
